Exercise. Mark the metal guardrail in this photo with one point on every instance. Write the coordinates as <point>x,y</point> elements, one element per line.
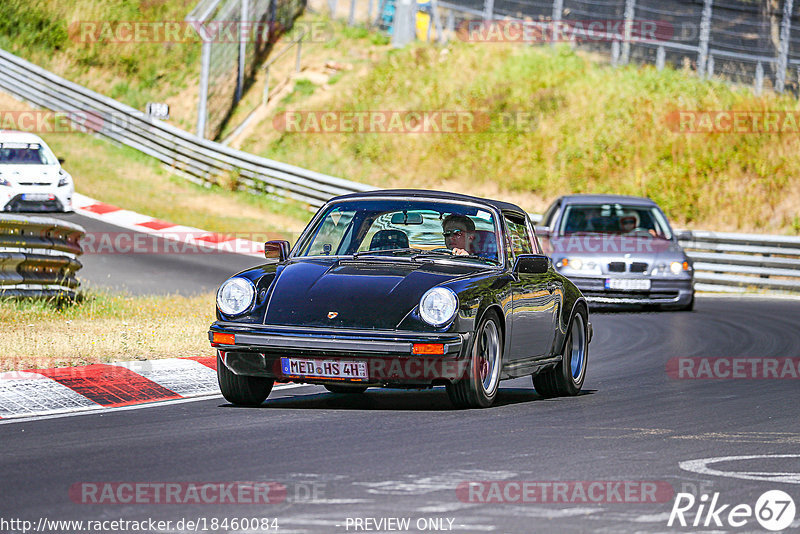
<point>197,159</point>
<point>38,256</point>
<point>735,262</point>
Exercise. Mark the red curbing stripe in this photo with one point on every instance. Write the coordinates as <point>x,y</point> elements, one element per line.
<point>215,238</point>
<point>208,361</point>
<point>101,208</point>
<point>155,224</point>
<point>109,385</point>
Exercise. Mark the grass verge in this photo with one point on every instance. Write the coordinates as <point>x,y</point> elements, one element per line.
<point>103,327</point>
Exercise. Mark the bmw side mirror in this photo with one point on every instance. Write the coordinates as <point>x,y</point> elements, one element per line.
<point>684,235</point>
<point>278,249</point>
<point>532,264</point>
<point>542,231</point>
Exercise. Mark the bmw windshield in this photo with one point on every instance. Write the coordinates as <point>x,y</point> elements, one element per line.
<point>615,219</point>
<point>401,228</point>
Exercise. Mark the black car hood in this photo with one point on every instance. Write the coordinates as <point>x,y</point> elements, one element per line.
<point>368,294</point>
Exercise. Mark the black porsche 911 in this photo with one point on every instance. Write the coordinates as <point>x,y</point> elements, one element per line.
<point>407,289</point>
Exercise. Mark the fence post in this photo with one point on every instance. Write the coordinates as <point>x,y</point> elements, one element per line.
<point>558,9</point>
<point>242,49</point>
<point>369,13</point>
<point>661,57</point>
<point>488,10</point>
<point>202,106</point>
<point>705,36</point>
<point>759,81</point>
<point>710,67</point>
<point>351,19</point>
<point>437,20</point>
<point>614,53</point>
<point>630,8</point>
<point>783,54</point>
<point>332,8</point>
<point>404,26</point>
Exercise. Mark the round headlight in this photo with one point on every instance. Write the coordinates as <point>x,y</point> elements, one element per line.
<point>676,267</point>
<point>438,305</point>
<point>576,263</point>
<point>235,296</point>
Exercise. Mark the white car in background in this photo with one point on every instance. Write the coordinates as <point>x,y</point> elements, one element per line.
<point>31,177</point>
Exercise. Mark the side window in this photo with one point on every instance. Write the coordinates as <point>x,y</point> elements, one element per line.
<point>519,240</point>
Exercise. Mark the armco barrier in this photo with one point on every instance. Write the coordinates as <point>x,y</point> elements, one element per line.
<point>38,256</point>
<point>198,159</point>
<point>734,262</point>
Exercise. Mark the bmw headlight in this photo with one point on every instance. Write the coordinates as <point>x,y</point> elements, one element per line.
<point>674,268</point>
<point>577,264</point>
<point>438,305</point>
<point>235,296</point>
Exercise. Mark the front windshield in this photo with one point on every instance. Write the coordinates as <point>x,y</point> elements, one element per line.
<point>615,219</point>
<point>403,228</point>
<point>24,154</point>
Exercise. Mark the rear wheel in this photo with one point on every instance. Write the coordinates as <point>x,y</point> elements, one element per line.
<point>567,377</point>
<point>478,388</point>
<point>242,390</point>
<point>345,389</point>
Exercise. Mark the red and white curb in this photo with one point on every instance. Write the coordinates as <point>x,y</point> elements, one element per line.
<point>137,222</point>
<point>71,389</point>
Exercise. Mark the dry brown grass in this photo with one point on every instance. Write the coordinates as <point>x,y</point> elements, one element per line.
<point>103,328</point>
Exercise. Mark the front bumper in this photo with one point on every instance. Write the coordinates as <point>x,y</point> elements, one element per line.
<point>51,200</point>
<point>669,292</point>
<point>257,350</point>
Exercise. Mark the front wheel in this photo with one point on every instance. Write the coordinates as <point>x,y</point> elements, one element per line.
<point>478,388</point>
<point>567,377</point>
<point>242,390</point>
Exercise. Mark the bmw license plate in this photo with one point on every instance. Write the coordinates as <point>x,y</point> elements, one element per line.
<point>310,368</point>
<point>36,197</point>
<point>628,284</point>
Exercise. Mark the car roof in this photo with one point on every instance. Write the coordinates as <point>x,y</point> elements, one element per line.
<point>19,137</point>
<point>605,199</point>
<point>442,195</point>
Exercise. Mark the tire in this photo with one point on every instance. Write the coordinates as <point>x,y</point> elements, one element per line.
<point>478,388</point>
<point>242,390</point>
<point>345,389</point>
<point>566,378</point>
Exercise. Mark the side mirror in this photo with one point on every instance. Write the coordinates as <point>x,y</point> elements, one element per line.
<point>278,249</point>
<point>532,264</point>
<point>683,235</point>
<point>542,231</point>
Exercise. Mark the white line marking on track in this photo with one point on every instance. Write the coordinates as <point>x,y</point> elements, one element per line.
<point>101,411</point>
<point>700,466</point>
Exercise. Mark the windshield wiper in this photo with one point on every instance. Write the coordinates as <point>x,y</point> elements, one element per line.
<point>391,251</point>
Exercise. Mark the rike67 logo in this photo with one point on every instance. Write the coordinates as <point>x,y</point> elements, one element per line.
<point>774,510</point>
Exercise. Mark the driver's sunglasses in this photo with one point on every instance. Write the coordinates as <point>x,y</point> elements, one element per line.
<point>454,233</point>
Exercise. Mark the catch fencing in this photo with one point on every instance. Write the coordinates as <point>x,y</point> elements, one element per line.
<point>197,159</point>
<point>228,64</point>
<point>38,256</point>
<point>745,41</point>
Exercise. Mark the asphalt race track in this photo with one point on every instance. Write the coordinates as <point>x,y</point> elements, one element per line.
<point>143,274</point>
<point>391,455</point>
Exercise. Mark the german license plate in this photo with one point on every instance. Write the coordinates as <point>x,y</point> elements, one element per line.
<point>36,197</point>
<point>311,368</point>
<point>628,284</point>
